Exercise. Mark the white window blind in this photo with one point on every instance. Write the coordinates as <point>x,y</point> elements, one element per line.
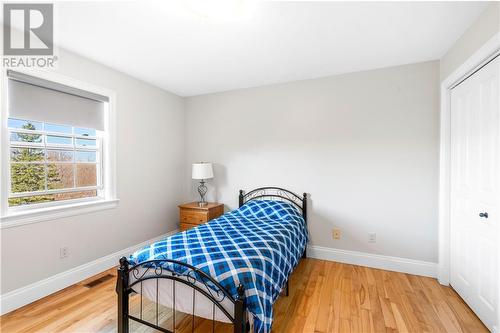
<point>41,100</point>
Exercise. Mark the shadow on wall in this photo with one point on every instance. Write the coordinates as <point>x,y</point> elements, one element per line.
<point>220,180</point>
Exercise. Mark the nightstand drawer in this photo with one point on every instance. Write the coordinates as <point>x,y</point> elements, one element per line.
<point>193,217</point>
<point>187,226</point>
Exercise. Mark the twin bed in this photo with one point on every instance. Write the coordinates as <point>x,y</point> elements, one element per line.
<point>231,269</point>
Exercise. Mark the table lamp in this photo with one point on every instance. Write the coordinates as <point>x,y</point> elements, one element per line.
<point>202,171</point>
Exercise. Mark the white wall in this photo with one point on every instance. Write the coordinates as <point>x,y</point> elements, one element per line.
<point>150,154</point>
<point>485,27</point>
<point>364,145</point>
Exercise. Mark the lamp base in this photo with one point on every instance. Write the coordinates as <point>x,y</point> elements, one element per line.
<point>202,189</point>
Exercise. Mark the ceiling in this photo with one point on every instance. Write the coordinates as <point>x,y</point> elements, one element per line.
<point>191,48</point>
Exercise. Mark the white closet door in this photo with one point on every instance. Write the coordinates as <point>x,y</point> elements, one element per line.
<point>475,191</point>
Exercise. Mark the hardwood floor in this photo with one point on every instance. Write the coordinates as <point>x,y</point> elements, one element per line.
<point>324,297</point>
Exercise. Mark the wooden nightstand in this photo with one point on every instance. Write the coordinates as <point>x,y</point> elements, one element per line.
<point>192,215</point>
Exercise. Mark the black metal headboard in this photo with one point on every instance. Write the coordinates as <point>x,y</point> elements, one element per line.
<point>276,193</point>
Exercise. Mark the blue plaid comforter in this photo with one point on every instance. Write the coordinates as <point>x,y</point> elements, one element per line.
<point>257,245</point>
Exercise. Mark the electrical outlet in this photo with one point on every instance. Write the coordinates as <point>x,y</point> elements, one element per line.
<point>372,237</point>
<point>336,233</point>
<point>63,252</point>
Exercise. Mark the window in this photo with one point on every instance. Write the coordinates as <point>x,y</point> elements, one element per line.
<point>57,148</point>
<point>53,162</point>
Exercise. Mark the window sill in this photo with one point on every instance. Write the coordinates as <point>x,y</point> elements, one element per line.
<point>19,218</point>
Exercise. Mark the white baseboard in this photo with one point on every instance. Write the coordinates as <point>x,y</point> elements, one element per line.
<point>410,266</point>
<point>30,293</point>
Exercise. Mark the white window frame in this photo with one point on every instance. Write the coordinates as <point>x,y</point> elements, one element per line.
<point>106,199</point>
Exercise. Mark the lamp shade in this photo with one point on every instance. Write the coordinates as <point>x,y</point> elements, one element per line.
<point>202,170</point>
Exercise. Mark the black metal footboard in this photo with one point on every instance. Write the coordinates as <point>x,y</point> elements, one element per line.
<point>132,278</point>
